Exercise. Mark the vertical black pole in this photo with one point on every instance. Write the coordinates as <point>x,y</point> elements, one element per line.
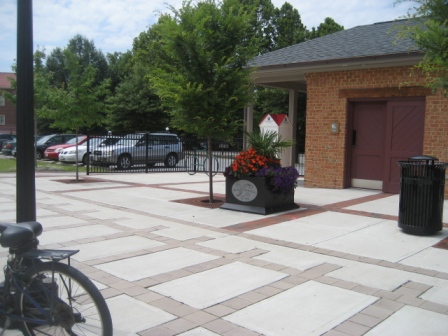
<point>26,188</point>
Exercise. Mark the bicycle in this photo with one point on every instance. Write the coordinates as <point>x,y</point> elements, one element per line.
<point>43,296</point>
<point>192,164</point>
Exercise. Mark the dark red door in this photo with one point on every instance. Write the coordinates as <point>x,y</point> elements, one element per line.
<point>383,134</point>
<point>404,138</point>
<point>369,120</point>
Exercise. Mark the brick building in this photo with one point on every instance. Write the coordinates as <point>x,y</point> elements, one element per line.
<point>7,108</point>
<point>366,109</point>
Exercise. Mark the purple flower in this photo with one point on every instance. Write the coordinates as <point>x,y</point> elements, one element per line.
<point>281,179</point>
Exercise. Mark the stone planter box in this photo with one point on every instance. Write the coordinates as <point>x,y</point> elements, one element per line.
<point>252,194</point>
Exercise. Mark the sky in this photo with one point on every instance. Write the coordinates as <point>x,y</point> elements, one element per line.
<point>113,24</point>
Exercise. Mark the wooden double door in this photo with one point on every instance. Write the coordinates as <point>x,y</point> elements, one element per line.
<point>383,133</point>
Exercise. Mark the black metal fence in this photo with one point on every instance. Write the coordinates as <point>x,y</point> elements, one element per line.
<point>159,152</point>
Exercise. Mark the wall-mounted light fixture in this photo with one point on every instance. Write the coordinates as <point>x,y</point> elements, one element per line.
<point>335,128</point>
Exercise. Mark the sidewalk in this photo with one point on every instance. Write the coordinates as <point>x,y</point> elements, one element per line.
<point>339,265</point>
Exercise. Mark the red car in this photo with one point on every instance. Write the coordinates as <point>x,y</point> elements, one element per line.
<point>52,152</point>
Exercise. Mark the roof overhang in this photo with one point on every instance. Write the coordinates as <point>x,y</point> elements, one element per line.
<point>292,76</point>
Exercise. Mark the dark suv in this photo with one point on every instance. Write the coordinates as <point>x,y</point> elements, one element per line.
<point>140,148</point>
<point>4,137</point>
<point>51,140</point>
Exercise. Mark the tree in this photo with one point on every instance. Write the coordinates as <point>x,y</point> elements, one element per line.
<point>262,23</point>
<point>136,106</point>
<point>119,67</point>
<point>428,28</point>
<point>77,103</point>
<point>86,54</point>
<point>289,27</point>
<point>202,76</point>
<point>329,26</point>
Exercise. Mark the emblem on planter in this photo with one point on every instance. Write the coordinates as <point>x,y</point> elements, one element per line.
<point>244,190</point>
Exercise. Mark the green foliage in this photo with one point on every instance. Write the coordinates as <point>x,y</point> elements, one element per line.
<point>200,73</point>
<point>431,35</point>
<point>268,144</point>
<point>120,66</point>
<point>86,54</point>
<point>329,26</point>
<point>135,106</point>
<point>289,27</point>
<point>78,103</point>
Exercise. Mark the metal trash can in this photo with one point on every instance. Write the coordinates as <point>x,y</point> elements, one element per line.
<point>422,185</point>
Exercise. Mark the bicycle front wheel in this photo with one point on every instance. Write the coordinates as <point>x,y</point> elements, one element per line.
<point>215,166</point>
<point>192,164</point>
<point>75,305</point>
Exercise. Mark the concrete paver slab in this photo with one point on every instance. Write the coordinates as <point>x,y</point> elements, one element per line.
<point>56,221</point>
<point>385,206</point>
<point>301,260</point>
<point>148,265</point>
<point>64,235</point>
<point>210,287</point>
<point>218,218</point>
<point>311,308</point>
<point>321,196</point>
<point>372,276</point>
<point>142,222</point>
<point>233,244</point>
<point>131,315</point>
<point>412,321</point>
<point>198,332</point>
<point>317,228</point>
<point>383,241</point>
<point>431,258</point>
<point>112,247</point>
<point>185,232</point>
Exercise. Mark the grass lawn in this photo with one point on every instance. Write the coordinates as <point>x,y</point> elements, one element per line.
<point>8,165</point>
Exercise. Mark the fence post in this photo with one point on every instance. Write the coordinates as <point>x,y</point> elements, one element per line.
<point>147,153</point>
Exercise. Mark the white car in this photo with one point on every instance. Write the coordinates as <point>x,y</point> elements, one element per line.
<point>69,154</point>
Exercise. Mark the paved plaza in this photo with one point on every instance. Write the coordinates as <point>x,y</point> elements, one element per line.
<point>338,265</point>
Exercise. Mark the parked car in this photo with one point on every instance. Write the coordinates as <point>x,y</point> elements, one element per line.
<point>4,137</point>
<point>131,150</point>
<point>52,152</point>
<point>51,140</point>
<point>9,146</point>
<point>69,154</point>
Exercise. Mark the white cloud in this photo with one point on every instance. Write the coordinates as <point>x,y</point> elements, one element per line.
<point>113,24</point>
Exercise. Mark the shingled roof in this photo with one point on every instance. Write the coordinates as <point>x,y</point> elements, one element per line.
<point>372,40</point>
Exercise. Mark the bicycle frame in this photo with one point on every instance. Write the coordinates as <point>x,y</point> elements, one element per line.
<point>12,277</point>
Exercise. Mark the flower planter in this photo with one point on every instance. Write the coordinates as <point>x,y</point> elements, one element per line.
<point>252,194</point>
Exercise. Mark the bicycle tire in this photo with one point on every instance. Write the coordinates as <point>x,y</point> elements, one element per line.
<point>82,310</point>
<point>192,164</point>
<point>215,166</point>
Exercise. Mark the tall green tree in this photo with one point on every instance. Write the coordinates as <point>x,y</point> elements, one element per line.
<point>431,35</point>
<point>262,23</point>
<point>78,103</point>
<point>119,67</point>
<point>203,79</point>
<point>135,106</point>
<point>329,26</point>
<point>289,27</point>
<point>86,54</point>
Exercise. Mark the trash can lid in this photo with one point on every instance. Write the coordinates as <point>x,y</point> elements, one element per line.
<point>423,157</point>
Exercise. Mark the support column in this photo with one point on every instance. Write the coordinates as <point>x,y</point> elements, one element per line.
<point>292,113</point>
<point>25,186</point>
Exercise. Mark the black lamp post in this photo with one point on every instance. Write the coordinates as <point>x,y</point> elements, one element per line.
<point>25,186</point>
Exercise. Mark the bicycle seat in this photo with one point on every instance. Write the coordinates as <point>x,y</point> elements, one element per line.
<point>15,235</point>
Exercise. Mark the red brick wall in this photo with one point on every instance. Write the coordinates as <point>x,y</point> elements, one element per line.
<point>325,152</point>
<point>9,111</point>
